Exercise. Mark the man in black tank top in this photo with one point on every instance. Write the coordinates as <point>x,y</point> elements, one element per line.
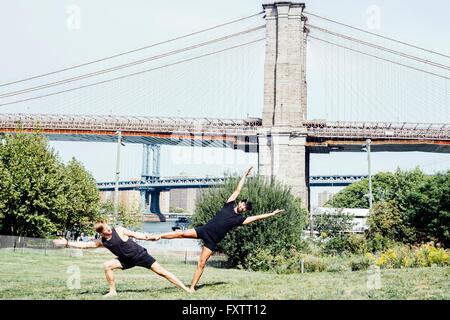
<point>129,253</point>
<point>228,218</point>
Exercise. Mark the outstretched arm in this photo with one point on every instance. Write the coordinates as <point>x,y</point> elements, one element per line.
<point>261,216</point>
<point>75,244</point>
<point>136,235</point>
<point>236,192</point>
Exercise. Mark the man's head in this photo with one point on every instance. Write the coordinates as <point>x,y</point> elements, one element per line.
<point>103,228</point>
<point>244,206</point>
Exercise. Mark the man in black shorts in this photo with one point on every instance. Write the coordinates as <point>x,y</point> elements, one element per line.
<point>229,217</point>
<point>129,253</point>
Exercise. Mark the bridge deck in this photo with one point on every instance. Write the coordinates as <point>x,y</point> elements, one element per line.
<point>322,136</point>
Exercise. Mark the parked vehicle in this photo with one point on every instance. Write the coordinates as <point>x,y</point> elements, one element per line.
<point>182,223</point>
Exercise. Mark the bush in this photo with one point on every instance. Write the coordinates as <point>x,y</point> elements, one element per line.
<point>426,255</point>
<point>277,234</point>
<point>360,263</point>
<point>345,244</point>
<point>314,264</point>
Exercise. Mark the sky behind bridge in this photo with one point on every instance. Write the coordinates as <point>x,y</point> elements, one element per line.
<point>41,36</point>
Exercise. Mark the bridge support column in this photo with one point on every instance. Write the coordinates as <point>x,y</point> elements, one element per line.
<point>151,161</point>
<point>154,204</point>
<point>282,138</point>
<point>284,157</point>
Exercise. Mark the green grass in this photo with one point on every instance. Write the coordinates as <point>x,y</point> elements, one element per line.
<point>40,276</point>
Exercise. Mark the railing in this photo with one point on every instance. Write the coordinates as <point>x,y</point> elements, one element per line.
<point>127,123</point>
<point>381,130</point>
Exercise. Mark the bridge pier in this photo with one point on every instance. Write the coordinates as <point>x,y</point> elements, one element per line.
<point>151,161</point>
<point>282,137</point>
<point>151,202</point>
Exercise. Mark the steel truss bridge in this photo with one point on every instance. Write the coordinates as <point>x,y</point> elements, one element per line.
<point>182,182</point>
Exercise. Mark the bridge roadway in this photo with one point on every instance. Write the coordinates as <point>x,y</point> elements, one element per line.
<point>322,136</point>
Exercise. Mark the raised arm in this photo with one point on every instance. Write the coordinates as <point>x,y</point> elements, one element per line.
<point>79,245</point>
<point>236,192</point>
<point>261,216</point>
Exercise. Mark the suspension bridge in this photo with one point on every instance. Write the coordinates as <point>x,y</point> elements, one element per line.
<point>375,77</point>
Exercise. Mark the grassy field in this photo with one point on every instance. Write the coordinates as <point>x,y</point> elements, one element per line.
<point>39,276</point>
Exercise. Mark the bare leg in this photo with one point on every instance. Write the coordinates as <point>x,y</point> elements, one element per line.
<point>204,256</point>
<point>109,266</point>
<point>190,233</point>
<point>156,267</point>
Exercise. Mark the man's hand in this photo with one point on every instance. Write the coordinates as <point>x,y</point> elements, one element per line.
<point>276,212</point>
<point>61,242</point>
<point>152,237</point>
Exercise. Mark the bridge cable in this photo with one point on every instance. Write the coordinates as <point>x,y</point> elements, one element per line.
<point>377,35</point>
<point>380,58</point>
<point>379,47</point>
<point>132,51</point>
<point>129,64</point>
<point>132,74</point>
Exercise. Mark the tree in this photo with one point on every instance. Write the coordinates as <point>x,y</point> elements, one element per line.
<point>38,194</point>
<point>127,217</point>
<point>33,199</point>
<point>83,205</point>
<point>387,220</point>
<point>386,186</point>
<point>429,209</point>
<point>277,234</point>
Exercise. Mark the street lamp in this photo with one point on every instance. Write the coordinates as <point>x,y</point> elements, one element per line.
<point>366,147</point>
<point>116,189</point>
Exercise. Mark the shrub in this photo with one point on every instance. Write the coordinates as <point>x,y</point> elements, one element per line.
<point>425,255</point>
<point>345,244</point>
<point>360,263</point>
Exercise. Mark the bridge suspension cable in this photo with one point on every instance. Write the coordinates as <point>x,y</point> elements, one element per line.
<point>379,47</point>
<point>132,74</point>
<point>380,58</point>
<point>129,64</point>
<point>378,35</point>
<point>132,51</point>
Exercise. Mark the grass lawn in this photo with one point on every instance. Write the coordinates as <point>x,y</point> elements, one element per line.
<point>39,276</point>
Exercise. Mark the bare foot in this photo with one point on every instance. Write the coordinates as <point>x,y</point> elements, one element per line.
<point>191,290</point>
<point>110,294</point>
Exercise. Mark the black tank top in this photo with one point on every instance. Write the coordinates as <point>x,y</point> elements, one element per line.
<point>123,249</point>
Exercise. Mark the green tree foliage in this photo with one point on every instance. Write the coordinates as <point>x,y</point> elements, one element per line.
<point>385,186</point>
<point>408,205</point>
<point>127,217</point>
<point>83,198</point>
<point>33,203</point>
<point>38,194</point>
<point>277,234</point>
<point>429,209</point>
<point>387,220</point>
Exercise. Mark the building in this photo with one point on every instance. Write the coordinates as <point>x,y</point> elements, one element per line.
<point>324,197</point>
<point>359,216</point>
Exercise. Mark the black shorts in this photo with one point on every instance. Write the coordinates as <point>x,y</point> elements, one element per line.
<point>145,260</point>
<point>207,240</point>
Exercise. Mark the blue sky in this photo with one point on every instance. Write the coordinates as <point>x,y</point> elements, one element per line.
<point>38,39</point>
